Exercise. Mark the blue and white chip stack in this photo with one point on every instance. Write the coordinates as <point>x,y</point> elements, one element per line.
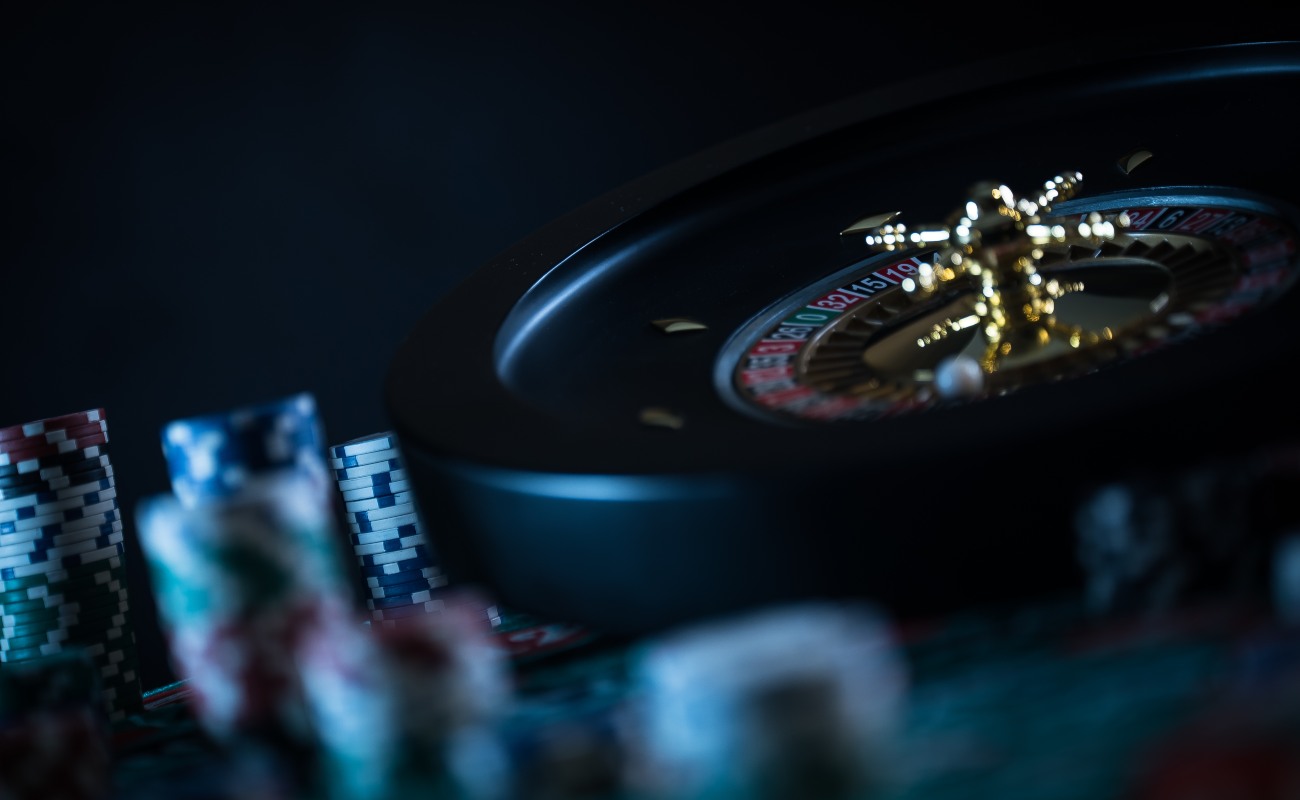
<point>394,555</point>
<point>63,584</point>
<point>215,456</point>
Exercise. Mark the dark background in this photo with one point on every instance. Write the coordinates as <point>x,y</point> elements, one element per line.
<point>209,206</point>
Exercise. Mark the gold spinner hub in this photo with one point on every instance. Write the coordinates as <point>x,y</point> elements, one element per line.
<point>990,256</point>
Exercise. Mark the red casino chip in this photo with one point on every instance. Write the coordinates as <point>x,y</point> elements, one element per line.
<point>50,424</point>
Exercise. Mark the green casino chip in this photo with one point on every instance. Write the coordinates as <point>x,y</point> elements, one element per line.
<point>73,586</point>
<point>54,577</point>
<point>77,629</point>
<point>56,615</point>
<point>35,610</point>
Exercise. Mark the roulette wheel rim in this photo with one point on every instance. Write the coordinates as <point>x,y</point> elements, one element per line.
<point>669,505</point>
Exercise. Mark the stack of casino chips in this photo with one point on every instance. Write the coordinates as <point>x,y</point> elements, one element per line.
<point>240,581</point>
<point>388,539</point>
<point>63,583</point>
<point>245,557</point>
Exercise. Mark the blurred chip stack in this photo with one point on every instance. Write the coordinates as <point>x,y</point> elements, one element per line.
<point>1215,531</point>
<point>54,732</point>
<point>411,710</point>
<point>803,700</point>
<point>238,582</point>
<point>244,559</point>
<point>63,583</point>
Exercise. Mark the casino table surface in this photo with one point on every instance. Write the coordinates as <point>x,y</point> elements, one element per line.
<point>1037,701</point>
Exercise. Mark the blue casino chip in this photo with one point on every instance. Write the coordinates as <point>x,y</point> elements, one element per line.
<point>395,601</point>
<point>384,534</point>
<point>382,569</point>
<point>409,518</point>
<point>377,468</point>
<point>365,459</point>
<point>378,479</point>
<point>425,572</point>
<point>389,546</point>
<point>408,611</point>
<point>42,555</point>
<point>369,504</point>
<point>66,464</point>
<point>65,563</point>
<point>57,506</point>
<point>364,445</point>
<point>12,499</point>
<point>47,526</point>
<point>215,456</point>
<point>407,588</point>
<point>377,515</point>
<point>375,491</point>
<point>35,484</point>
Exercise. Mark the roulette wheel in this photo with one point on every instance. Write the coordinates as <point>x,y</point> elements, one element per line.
<point>880,350</point>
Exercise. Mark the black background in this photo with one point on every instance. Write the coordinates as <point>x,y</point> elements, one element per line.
<point>209,206</point>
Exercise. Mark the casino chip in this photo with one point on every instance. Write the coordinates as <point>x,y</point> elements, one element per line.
<point>62,575</point>
<point>215,455</point>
